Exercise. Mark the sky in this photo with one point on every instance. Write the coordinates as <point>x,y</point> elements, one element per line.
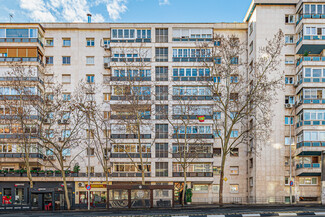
<point>124,10</point>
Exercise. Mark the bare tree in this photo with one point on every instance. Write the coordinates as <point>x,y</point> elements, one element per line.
<point>22,98</point>
<point>132,87</point>
<point>98,126</point>
<point>243,92</point>
<point>61,128</point>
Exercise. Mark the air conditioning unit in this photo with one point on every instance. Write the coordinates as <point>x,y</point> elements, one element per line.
<point>296,84</point>
<point>107,65</point>
<point>288,105</point>
<point>107,47</point>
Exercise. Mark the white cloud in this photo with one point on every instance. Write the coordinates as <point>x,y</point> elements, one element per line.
<point>115,8</point>
<point>37,10</point>
<point>71,10</point>
<point>163,2</point>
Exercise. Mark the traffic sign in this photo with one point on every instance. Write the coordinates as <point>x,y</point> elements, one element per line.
<point>88,187</point>
<point>291,183</point>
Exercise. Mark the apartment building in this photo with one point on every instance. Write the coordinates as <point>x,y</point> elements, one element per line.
<point>102,53</point>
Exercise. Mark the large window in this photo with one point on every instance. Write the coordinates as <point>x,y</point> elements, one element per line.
<point>161,92</point>
<point>90,60</point>
<point>191,52</point>
<point>193,130</point>
<point>66,42</point>
<point>130,167</point>
<point>312,136</point>
<point>90,42</point>
<point>161,54</point>
<point>162,131</point>
<point>66,60</point>
<point>192,110</point>
<point>162,73</point>
<point>161,112</point>
<point>191,72</point>
<point>191,91</point>
<point>161,35</point>
<point>192,33</point>
<point>161,150</point>
<point>194,167</point>
<point>308,180</point>
<point>130,33</point>
<point>161,169</point>
<point>312,115</point>
<point>201,188</point>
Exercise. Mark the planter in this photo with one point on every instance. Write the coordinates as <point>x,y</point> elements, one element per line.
<point>49,174</point>
<point>41,175</point>
<point>24,174</point>
<point>12,174</point>
<point>74,174</point>
<point>34,174</point>
<point>58,175</point>
<point>2,174</point>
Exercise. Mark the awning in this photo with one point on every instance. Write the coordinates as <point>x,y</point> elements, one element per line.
<point>309,174</point>
<point>310,153</point>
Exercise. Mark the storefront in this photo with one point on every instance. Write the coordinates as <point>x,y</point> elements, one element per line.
<point>97,194</point>
<point>48,196</point>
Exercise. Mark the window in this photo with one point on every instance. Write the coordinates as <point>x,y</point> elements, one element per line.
<point>90,151</point>
<point>308,181</point>
<point>288,120</point>
<point>49,42</point>
<point>162,73</point>
<point>161,35</point>
<point>161,112</point>
<point>289,59</point>
<point>234,79</point>
<point>90,60</point>
<point>66,96</point>
<point>19,196</point>
<point>202,188</point>
<point>217,152</point>
<point>286,180</point>
<point>66,42</point>
<point>162,150</point>
<point>106,97</point>
<point>90,42</point>
<point>90,79</point>
<point>215,189</point>
<point>289,19</point>
<point>162,131</point>
<point>251,28</point>
<point>234,152</point>
<point>161,169</point>
<point>161,92</point>
<point>234,189</point>
<point>161,54</point>
<point>289,79</point>
<point>234,170</point>
<point>234,60</point>
<point>251,47</point>
<point>49,60</point>
<point>287,140</point>
<point>6,194</point>
<point>66,60</point>
<point>234,134</point>
<point>66,79</point>
<point>289,100</point>
<point>289,39</point>
<point>216,171</point>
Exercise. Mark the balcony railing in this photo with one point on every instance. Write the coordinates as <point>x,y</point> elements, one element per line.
<point>130,98</point>
<point>191,117</point>
<point>193,136</point>
<point>309,16</point>
<point>193,174</point>
<point>313,59</point>
<point>21,155</point>
<point>192,39</point>
<point>199,78</point>
<point>115,78</point>
<point>310,123</point>
<point>129,174</point>
<point>23,40</point>
<point>130,59</point>
<point>192,59</point>
<point>192,97</point>
<point>313,165</point>
<point>310,144</point>
<point>130,136</point>
<point>130,155</point>
<point>193,155</point>
<point>129,117</point>
<point>137,40</point>
<point>21,59</point>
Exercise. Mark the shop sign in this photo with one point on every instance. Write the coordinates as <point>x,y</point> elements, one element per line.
<point>98,185</point>
<point>6,200</point>
<point>20,184</point>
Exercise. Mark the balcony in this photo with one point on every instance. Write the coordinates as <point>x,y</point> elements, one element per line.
<point>21,79</point>
<point>138,40</point>
<point>310,101</point>
<point>310,123</point>
<point>193,136</point>
<point>192,98</point>
<point>191,39</point>
<point>21,40</point>
<point>309,16</point>
<point>17,117</point>
<point>319,59</point>
<point>313,44</point>
<point>130,136</point>
<point>123,60</point>
<point>192,59</point>
<point>130,155</point>
<point>193,174</point>
<point>21,59</point>
<point>129,117</point>
<point>194,155</point>
<point>200,78</point>
<point>128,98</point>
<point>115,78</point>
<point>191,117</point>
<point>313,165</point>
<point>20,155</point>
<point>310,144</point>
<point>130,174</point>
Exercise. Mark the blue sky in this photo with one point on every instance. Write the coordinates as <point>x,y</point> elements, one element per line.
<point>124,10</point>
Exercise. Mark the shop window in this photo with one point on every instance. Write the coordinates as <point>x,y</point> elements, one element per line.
<point>19,196</point>
<point>6,196</point>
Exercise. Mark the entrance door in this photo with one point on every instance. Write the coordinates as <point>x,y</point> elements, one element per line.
<point>35,201</point>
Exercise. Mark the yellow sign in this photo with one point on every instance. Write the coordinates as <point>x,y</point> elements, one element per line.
<point>225,179</point>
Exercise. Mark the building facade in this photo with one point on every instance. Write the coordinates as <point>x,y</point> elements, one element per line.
<point>102,53</point>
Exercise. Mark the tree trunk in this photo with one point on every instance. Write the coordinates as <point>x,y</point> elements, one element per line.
<point>184,188</point>
<point>29,175</point>
<point>106,179</point>
<point>222,179</point>
<point>66,194</point>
